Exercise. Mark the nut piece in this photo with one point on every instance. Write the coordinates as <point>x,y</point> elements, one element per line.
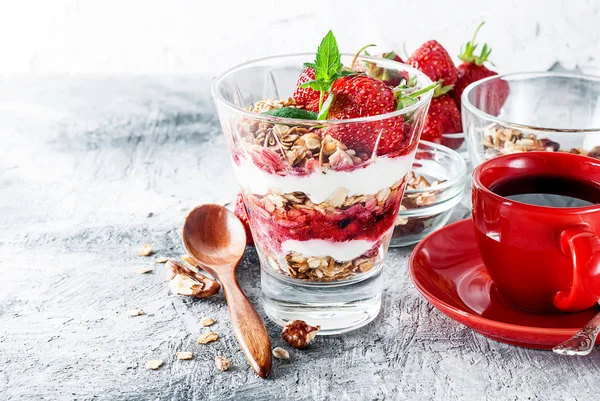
<point>153,364</point>
<point>135,312</point>
<point>298,333</point>
<point>280,353</point>
<point>146,250</point>
<point>207,321</point>
<point>161,260</point>
<point>184,355</point>
<point>207,338</point>
<point>143,270</point>
<point>222,363</point>
<point>188,259</point>
<point>185,281</point>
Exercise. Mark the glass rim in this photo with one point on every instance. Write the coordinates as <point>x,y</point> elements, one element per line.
<point>423,99</point>
<point>522,76</point>
<point>478,185</point>
<point>460,175</point>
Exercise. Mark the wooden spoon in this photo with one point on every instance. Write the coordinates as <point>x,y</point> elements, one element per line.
<point>215,238</point>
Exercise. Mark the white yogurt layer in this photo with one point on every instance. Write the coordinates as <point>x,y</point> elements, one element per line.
<point>340,251</point>
<point>382,173</point>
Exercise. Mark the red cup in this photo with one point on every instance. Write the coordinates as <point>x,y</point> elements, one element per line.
<point>541,259</point>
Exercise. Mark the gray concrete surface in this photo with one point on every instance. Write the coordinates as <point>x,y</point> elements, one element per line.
<point>93,167</point>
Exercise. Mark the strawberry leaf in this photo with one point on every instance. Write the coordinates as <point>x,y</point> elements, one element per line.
<point>310,65</point>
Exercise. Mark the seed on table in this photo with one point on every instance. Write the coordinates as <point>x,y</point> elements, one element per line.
<point>143,270</point>
<point>207,321</point>
<point>207,338</point>
<point>281,353</point>
<point>222,363</point>
<point>153,364</point>
<point>161,260</point>
<point>184,355</point>
<point>135,312</point>
<point>146,250</point>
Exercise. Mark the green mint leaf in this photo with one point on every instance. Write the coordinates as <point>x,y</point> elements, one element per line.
<point>310,65</point>
<point>328,60</point>
<point>292,112</point>
<point>325,108</point>
<point>321,86</point>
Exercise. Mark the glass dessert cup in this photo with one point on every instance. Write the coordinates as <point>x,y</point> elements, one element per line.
<point>521,112</point>
<point>435,186</point>
<point>321,214</point>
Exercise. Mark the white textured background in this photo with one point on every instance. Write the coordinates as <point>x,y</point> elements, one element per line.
<point>207,36</point>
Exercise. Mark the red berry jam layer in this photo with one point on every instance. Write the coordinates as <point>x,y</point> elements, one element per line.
<point>279,217</point>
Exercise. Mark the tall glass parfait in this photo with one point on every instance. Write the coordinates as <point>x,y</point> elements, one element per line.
<point>321,211</point>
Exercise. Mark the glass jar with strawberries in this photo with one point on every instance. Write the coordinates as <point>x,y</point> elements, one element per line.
<point>321,146</point>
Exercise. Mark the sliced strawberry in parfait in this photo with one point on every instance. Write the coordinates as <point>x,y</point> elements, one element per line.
<point>323,198</point>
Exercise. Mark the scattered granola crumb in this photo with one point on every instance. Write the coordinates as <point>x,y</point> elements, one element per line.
<point>161,260</point>
<point>146,250</point>
<point>143,270</point>
<point>208,338</point>
<point>222,363</point>
<point>153,364</point>
<point>207,321</point>
<point>184,355</point>
<point>280,353</point>
<point>135,312</point>
<point>188,259</point>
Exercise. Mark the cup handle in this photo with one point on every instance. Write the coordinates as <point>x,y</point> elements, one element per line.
<point>583,246</point>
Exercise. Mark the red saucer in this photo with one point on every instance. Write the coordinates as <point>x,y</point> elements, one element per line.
<point>447,269</point>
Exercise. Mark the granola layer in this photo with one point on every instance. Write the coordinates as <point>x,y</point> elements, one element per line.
<point>500,140</point>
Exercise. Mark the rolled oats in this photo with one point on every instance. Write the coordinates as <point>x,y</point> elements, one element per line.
<point>208,337</point>
<point>153,364</point>
<point>207,321</point>
<point>145,250</point>
<point>222,363</point>
<point>281,353</point>
<point>184,355</point>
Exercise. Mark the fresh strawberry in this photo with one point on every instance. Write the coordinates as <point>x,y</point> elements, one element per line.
<point>443,118</point>
<point>473,69</point>
<point>389,76</point>
<point>240,212</point>
<point>360,96</point>
<point>433,60</point>
<point>393,134</point>
<point>392,56</point>
<point>307,97</point>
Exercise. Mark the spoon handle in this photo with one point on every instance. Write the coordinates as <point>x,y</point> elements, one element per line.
<point>583,342</point>
<point>248,326</point>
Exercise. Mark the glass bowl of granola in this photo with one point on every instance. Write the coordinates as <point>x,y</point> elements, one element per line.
<point>522,112</point>
<point>434,187</point>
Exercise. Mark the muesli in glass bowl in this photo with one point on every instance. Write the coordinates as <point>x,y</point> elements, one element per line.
<point>547,111</point>
<point>322,159</point>
<point>434,187</point>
